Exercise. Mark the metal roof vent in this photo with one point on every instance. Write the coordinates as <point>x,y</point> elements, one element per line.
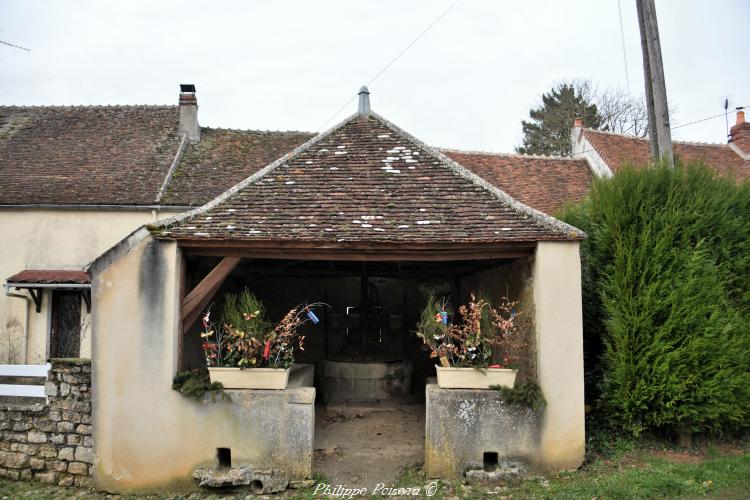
<point>364,102</point>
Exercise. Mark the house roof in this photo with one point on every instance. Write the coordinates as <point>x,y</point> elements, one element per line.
<point>122,155</point>
<point>366,180</point>
<point>50,276</point>
<point>223,158</point>
<point>85,154</point>
<point>617,150</point>
<point>543,182</point>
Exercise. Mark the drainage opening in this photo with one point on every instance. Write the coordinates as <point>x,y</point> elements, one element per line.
<point>256,486</point>
<point>489,461</point>
<point>224,457</point>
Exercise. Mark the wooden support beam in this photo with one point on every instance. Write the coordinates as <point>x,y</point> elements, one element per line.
<point>199,297</point>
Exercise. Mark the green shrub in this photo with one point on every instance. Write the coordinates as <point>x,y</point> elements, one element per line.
<point>666,290</point>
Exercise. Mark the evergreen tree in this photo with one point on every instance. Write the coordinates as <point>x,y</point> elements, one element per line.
<point>665,274</point>
<point>548,130</point>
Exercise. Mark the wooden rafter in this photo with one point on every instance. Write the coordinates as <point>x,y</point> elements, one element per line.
<point>199,297</point>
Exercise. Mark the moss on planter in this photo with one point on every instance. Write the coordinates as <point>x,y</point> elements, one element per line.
<point>194,384</point>
<point>526,393</point>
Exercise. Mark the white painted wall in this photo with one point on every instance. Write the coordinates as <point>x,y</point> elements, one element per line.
<point>52,239</point>
<point>559,335</point>
<point>583,149</point>
<point>149,437</point>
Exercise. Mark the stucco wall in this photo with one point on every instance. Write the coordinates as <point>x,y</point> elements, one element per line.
<point>559,345</point>
<point>52,239</point>
<point>150,437</point>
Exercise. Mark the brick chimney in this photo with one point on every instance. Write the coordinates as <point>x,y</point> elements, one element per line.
<point>739,134</point>
<point>189,113</point>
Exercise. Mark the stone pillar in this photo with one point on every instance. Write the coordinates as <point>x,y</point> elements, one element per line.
<point>559,344</point>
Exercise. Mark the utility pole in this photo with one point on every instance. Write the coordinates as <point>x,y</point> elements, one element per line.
<point>660,134</point>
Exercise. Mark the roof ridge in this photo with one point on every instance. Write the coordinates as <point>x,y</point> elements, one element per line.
<point>258,131</point>
<point>510,155</point>
<point>88,106</point>
<point>164,223</point>
<point>521,208</point>
<point>630,136</point>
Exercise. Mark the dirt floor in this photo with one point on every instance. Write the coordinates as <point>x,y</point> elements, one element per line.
<point>361,446</point>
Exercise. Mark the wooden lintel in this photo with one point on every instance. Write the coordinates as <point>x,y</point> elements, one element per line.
<point>361,255</point>
<point>199,297</point>
<point>353,246</point>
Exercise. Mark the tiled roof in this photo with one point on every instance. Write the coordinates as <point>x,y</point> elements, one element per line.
<point>617,150</point>
<point>542,182</point>
<point>121,155</point>
<point>50,276</point>
<point>366,181</point>
<point>85,154</point>
<point>223,158</point>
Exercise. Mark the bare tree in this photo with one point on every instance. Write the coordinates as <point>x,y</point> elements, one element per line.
<point>548,130</point>
<point>621,112</point>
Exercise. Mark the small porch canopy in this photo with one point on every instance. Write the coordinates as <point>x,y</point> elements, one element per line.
<point>34,280</point>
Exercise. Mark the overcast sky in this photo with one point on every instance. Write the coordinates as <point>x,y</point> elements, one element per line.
<point>467,83</point>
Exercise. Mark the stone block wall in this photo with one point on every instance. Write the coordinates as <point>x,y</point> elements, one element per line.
<point>53,442</point>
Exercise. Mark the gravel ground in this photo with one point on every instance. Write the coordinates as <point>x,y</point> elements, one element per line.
<point>361,446</point>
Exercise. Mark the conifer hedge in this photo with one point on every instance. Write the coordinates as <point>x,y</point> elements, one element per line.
<point>666,277</point>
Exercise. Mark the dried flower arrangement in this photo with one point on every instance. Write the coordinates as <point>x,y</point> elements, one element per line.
<point>246,339</point>
<point>481,330</point>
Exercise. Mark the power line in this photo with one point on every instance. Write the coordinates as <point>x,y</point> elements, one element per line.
<point>624,53</point>
<point>701,120</point>
<point>428,28</point>
<point>379,73</point>
<point>15,46</point>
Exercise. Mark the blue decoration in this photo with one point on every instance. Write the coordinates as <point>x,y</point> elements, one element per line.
<point>444,316</point>
<point>313,318</point>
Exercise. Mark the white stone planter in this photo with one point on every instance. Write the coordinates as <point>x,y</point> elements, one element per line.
<point>473,378</point>
<point>250,378</point>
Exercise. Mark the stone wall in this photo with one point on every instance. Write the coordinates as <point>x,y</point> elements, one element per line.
<point>463,426</point>
<point>52,442</point>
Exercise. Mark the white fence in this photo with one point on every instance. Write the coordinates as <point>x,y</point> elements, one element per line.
<point>28,391</point>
